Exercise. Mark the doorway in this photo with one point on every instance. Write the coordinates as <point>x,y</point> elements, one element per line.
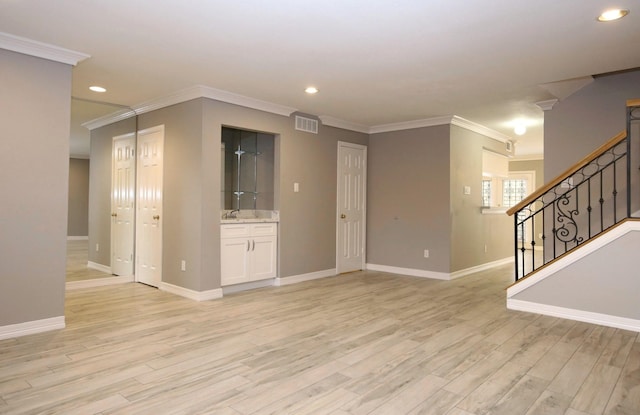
<point>351,207</point>
<point>149,185</point>
<point>123,204</point>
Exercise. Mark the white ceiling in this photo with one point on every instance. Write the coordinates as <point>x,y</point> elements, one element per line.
<point>374,61</point>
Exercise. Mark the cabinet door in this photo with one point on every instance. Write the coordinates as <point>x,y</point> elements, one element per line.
<point>263,257</point>
<point>234,256</point>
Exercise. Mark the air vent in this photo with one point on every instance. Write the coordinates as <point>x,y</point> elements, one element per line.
<point>308,125</point>
<point>509,146</point>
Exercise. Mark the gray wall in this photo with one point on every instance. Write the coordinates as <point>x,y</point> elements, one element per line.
<point>604,281</point>
<point>471,230</point>
<point>34,155</point>
<point>408,199</point>
<point>585,120</point>
<point>78,216</point>
<point>192,189</point>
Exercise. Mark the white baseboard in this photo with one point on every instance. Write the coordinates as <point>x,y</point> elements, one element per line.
<point>99,267</point>
<point>439,275</point>
<point>98,282</point>
<point>191,294</point>
<point>481,267</point>
<point>577,315</point>
<point>294,279</point>
<point>31,327</point>
<point>236,288</point>
<point>410,272</point>
<point>77,238</point>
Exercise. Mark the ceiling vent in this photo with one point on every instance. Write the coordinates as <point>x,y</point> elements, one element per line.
<point>509,146</point>
<point>308,125</point>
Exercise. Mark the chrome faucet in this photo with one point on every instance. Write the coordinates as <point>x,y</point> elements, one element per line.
<point>231,214</point>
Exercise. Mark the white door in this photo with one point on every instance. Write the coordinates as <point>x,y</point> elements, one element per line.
<point>149,206</point>
<point>351,209</point>
<point>123,204</point>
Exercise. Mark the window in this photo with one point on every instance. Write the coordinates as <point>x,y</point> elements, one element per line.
<point>486,192</point>
<point>513,191</point>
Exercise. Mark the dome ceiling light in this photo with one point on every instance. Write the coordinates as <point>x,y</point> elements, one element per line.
<point>613,14</point>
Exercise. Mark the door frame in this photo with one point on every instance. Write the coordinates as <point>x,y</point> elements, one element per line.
<point>363,235</point>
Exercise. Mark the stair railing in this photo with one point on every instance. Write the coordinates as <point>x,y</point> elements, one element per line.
<point>587,199</point>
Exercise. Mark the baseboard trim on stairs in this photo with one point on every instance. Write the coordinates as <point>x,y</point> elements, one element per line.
<point>577,315</point>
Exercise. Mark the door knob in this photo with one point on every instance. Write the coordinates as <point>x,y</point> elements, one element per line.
<point>343,216</point>
<point>156,217</point>
<point>114,215</point>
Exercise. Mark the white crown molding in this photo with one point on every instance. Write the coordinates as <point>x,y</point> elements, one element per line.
<point>346,125</point>
<point>109,119</point>
<point>409,125</point>
<point>40,49</point>
<point>547,105</point>
<point>480,129</point>
<point>187,94</point>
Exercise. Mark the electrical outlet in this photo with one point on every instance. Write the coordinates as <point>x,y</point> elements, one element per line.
<point>426,253</point>
<point>97,247</point>
<point>183,265</point>
<point>485,249</point>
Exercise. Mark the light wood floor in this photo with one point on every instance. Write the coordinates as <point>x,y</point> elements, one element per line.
<point>77,259</point>
<point>361,343</point>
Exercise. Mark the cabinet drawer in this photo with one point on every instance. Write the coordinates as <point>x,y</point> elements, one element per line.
<point>264,229</point>
<point>234,231</point>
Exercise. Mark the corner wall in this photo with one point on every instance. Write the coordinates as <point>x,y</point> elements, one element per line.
<point>408,200</point>
<point>34,154</point>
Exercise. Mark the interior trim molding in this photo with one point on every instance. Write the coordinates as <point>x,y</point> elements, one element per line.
<point>546,105</point>
<point>409,272</point>
<point>99,267</point>
<point>409,125</point>
<point>480,129</point>
<point>577,315</point>
<point>191,294</point>
<point>187,94</point>
<point>41,50</point>
<point>236,288</point>
<point>586,249</point>
<point>482,267</point>
<point>294,279</point>
<point>345,125</point>
<point>31,327</point>
<point>98,282</point>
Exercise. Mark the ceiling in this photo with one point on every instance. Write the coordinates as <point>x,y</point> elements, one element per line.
<point>374,62</point>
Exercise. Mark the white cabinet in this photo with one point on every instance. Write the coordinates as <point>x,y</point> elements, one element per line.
<point>248,252</point>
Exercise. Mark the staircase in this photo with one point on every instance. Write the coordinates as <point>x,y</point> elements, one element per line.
<point>574,238</point>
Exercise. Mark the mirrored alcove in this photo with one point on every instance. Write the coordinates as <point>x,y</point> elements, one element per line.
<point>247,170</point>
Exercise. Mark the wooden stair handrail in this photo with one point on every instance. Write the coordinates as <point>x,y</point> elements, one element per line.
<point>573,169</point>
<point>612,142</point>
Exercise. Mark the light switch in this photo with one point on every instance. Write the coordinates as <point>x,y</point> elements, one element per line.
<point>296,187</point>
<point>467,190</point>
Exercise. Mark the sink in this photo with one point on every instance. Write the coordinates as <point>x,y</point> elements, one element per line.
<point>249,216</point>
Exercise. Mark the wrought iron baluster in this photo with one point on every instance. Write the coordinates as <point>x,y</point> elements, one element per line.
<point>601,204</point>
<point>615,195</point>
<point>589,208</point>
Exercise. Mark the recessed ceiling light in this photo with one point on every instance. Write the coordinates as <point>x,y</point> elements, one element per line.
<point>520,129</point>
<point>311,90</point>
<point>96,88</point>
<point>613,14</point>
